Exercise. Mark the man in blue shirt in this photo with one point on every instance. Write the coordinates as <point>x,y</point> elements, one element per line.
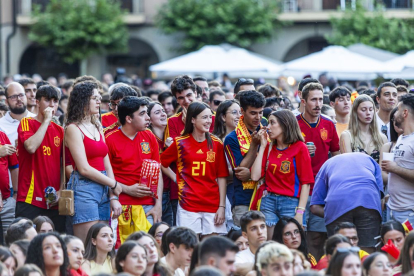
<point>349,188</point>
<point>241,147</point>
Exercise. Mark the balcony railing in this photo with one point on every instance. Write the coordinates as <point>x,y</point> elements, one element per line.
<point>289,6</point>
<point>25,7</point>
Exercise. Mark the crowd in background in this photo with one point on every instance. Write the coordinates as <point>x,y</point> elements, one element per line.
<point>200,177</point>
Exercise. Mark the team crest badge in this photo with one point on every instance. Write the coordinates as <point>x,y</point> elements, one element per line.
<point>57,141</point>
<point>145,148</point>
<point>324,134</point>
<point>211,156</point>
<point>285,167</point>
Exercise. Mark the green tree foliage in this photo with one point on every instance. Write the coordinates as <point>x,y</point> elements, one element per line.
<point>373,29</point>
<point>211,22</point>
<point>77,29</point>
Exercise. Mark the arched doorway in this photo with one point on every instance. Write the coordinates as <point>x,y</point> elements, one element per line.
<point>46,62</point>
<point>137,61</point>
<point>306,47</point>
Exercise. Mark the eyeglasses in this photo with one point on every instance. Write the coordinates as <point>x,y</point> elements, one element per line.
<point>353,249</point>
<point>217,102</point>
<point>113,105</point>
<point>96,98</point>
<point>384,129</point>
<point>243,81</point>
<point>206,89</point>
<point>234,112</point>
<point>290,234</point>
<point>14,97</point>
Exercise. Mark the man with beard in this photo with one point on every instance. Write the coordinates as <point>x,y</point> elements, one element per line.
<point>387,98</point>
<point>17,102</point>
<point>30,89</point>
<point>401,169</point>
<point>321,132</point>
<point>219,252</point>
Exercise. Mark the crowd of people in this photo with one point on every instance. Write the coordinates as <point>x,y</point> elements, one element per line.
<point>200,179</point>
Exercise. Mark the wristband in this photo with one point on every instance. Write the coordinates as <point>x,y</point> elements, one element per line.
<point>116,184</point>
<point>223,207</point>
<point>298,211</point>
<point>113,197</point>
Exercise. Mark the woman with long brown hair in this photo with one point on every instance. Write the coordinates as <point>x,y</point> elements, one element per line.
<point>286,168</point>
<point>92,180</point>
<point>201,173</point>
<point>362,134</point>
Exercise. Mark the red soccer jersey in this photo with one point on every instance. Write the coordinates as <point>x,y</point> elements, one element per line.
<point>111,128</point>
<point>288,169</point>
<point>166,179</point>
<point>42,168</point>
<point>126,157</point>
<point>108,119</point>
<point>323,134</point>
<point>175,126</point>
<point>6,163</point>
<point>198,168</point>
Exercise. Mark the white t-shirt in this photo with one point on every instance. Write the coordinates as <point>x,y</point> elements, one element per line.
<point>380,124</point>
<point>401,191</point>
<point>10,125</point>
<point>245,256</point>
<point>178,271</point>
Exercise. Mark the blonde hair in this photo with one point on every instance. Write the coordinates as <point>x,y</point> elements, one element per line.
<point>353,127</point>
<point>270,253</point>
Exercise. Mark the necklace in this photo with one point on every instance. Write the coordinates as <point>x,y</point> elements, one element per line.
<point>93,135</point>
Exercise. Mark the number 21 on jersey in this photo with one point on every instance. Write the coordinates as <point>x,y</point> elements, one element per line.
<point>198,167</point>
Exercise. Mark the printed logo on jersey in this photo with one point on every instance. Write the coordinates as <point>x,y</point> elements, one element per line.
<point>211,156</point>
<point>285,167</point>
<point>324,134</point>
<point>57,141</point>
<point>199,151</point>
<point>145,148</point>
<point>279,155</point>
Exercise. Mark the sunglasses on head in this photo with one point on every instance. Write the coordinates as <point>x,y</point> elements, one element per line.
<point>353,249</point>
<point>244,81</point>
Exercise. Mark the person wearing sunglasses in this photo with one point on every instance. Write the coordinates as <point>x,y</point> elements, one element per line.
<point>110,120</point>
<point>243,84</point>
<point>387,99</point>
<point>216,98</point>
<point>345,262</point>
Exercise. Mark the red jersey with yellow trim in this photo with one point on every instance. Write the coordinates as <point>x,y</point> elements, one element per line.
<point>167,181</point>
<point>6,162</point>
<point>175,126</point>
<point>288,169</point>
<point>42,168</point>
<point>323,134</point>
<point>108,119</point>
<point>198,167</point>
<point>126,158</point>
<point>111,128</point>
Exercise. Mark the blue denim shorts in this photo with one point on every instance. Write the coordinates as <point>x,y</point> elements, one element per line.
<point>276,206</point>
<point>91,199</point>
